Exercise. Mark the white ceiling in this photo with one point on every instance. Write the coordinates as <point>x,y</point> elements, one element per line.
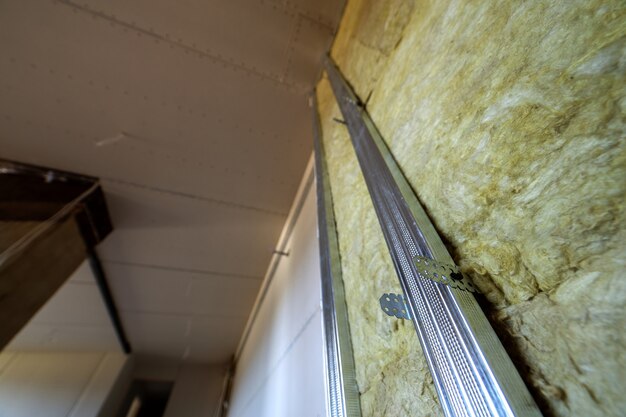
<point>195,116</point>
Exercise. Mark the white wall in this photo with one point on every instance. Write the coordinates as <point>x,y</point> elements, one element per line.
<point>58,384</point>
<point>280,371</point>
<point>196,392</point>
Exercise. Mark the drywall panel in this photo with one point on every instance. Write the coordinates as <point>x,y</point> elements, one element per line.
<point>169,290</point>
<point>57,384</point>
<point>157,369</point>
<point>192,121</point>
<point>213,339</point>
<point>310,42</point>
<point>323,12</point>
<point>280,370</point>
<point>186,337</point>
<point>160,335</point>
<point>253,35</point>
<point>196,392</point>
<point>161,229</point>
<point>295,387</point>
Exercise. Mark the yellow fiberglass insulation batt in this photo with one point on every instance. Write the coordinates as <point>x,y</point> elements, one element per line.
<point>508,119</point>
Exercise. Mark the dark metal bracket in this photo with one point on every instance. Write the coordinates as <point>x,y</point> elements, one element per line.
<point>395,306</point>
<point>46,195</point>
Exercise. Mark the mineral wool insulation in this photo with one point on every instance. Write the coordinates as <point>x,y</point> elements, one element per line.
<point>508,120</point>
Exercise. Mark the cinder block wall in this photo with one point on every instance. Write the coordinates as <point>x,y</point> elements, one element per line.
<point>508,120</point>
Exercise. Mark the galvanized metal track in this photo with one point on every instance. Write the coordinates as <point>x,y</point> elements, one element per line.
<point>342,391</point>
<point>472,372</point>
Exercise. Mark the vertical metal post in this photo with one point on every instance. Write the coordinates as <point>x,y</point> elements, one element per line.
<point>472,373</point>
<point>107,297</point>
<point>342,391</point>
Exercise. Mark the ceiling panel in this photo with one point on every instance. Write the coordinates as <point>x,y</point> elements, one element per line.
<point>161,229</point>
<point>139,288</point>
<point>191,338</point>
<point>251,34</point>
<point>323,12</point>
<point>195,116</point>
<point>182,113</point>
<point>160,335</point>
<point>214,339</point>
<point>310,38</point>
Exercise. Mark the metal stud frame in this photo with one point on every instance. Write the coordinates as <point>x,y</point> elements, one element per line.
<point>472,372</point>
<point>342,391</point>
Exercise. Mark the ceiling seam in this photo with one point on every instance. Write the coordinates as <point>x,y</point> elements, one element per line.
<point>294,40</point>
<point>288,6</point>
<point>186,270</point>
<point>106,326</point>
<point>182,109</point>
<point>180,44</point>
<point>293,36</point>
<point>87,283</point>
<point>274,366</point>
<point>319,24</point>
<point>194,197</point>
<point>216,201</point>
<point>182,314</point>
<point>126,92</point>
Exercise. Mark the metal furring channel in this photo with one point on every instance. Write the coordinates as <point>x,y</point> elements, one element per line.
<point>342,399</point>
<point>472,372</point>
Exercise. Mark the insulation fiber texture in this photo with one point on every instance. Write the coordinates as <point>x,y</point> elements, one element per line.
<point>508,119</point>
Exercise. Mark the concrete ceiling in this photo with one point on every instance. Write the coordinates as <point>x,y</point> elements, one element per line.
<point>195,116</point>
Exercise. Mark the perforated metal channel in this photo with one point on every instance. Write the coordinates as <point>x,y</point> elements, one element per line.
<point>446,319</point>
<point>342,391</point>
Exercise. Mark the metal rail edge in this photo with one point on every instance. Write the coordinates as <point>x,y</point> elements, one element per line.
<point>342,391</point>
<point>471,370</point>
